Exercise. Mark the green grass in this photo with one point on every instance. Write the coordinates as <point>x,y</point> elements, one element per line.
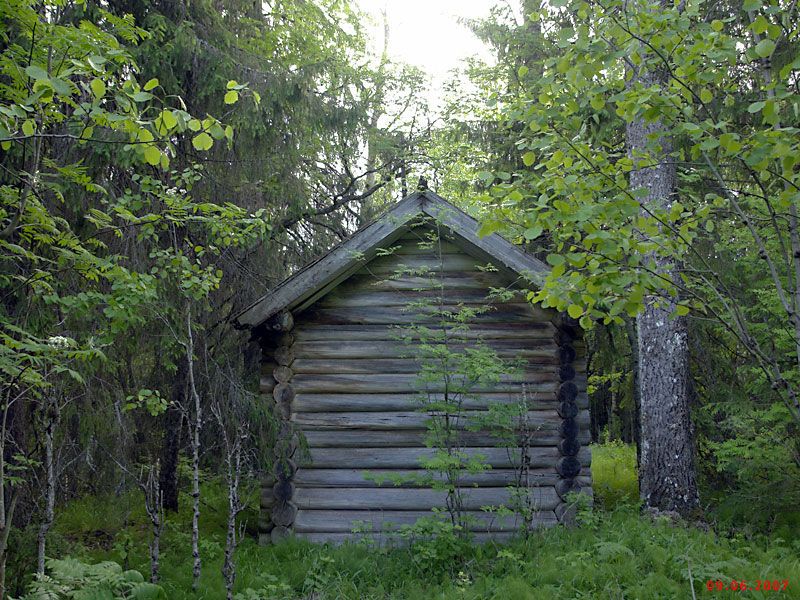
<point>615,480</point>
<point>615,554</point>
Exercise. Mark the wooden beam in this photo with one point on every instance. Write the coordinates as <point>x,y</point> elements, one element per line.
<point>544,498</point>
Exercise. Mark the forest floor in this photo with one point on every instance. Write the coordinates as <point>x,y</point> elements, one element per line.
<point>614,554</point>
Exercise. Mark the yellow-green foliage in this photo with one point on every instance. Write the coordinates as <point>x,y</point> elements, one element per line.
<point>614,477</point>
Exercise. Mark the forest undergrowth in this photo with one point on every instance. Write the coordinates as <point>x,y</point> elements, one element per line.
<point>616,552</point>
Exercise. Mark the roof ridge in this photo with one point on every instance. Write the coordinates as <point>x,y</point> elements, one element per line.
<point>318,277</point>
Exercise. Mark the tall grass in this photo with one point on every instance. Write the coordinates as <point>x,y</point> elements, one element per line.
<point>615,554</point>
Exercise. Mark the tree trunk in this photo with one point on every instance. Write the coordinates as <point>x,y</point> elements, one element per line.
<point>153,507</point>
<point>667,478</point>
<point>173,426</point>
<point>197,426</point>
<point>51,420</point>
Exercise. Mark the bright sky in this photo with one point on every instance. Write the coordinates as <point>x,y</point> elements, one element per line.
<point>426,33</point>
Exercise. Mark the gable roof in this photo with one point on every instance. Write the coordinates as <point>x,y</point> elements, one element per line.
<point>316,279</point>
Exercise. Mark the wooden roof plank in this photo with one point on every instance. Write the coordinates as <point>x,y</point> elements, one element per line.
<point>316,279</point>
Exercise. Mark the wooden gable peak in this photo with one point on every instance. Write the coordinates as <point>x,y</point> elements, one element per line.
<point>319,277</point>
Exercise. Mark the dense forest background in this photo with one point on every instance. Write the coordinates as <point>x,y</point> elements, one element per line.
<point>165,163</point>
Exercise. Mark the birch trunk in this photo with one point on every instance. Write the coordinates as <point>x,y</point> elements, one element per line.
<point>667,479</point>
<point>229,566</point>
<point>196,428</point>
<point>153,506</point>
<point>51,416</point>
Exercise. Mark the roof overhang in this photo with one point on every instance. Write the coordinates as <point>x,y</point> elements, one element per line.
<point>316,279</point>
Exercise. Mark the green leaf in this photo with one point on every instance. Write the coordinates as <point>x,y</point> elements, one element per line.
<point>765,48</point>
<point>37,73</point>
<point>98,88</point>
<point>555,259</point>
<point>533,232</point>
<point>61,87</point>
<point>574,311</point>
<point>142,96</point>
<point>229,133</point>
<point>194,124</point>
<point>167,121</point>
<point>28,127</point>
<point>751,5</point>
<point>150,84</point>
<point>231,97</point>
<point>598,102</point>
<point>528,159</point>
<point>152,155</point>
<point>202,141</point>
<point>760,25</point>
<point>755,107</point>
<point>96,62</point>
<point>706,96</point>
<point>522,71</point>
<point>682,310</point>
<point>717,25</point>
<point>488,228</point>
<point>232,84</point>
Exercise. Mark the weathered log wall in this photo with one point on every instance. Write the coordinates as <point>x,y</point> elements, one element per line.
<point>342,376</point>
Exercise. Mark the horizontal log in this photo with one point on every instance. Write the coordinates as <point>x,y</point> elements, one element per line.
<point>283,491</point>
<point>394,539</point>
<point>280,533</point>
<point>421,263</point>
<point>544,498</point>
<point>543,397</point>
<point>409,458</point>
<point>338,333</point>
<point>414,478</point>
<point>282,322</point>
<point>266,385</point>
<point>358,357</point>
<point>403,298</point>
<point>450,281</point>
<point>394,365</point>
<point>342,438</point>
<point>283,355</point>
<point>347,521</point>
<point>392,315</point>
<point>282,374</point>
<point>283,514</point>
<point>422,245</point>
<point>377,383</point>
<point>283,393</point>
<point>392,421</point>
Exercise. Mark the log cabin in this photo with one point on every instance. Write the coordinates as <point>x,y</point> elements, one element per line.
<point>341,369</point>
